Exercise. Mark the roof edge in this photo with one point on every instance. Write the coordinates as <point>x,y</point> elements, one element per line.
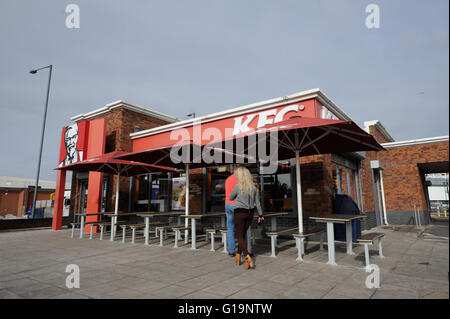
<point>380,128</point>
<point>292,98</point>
<point>132,107</point>
<point>427,140</point>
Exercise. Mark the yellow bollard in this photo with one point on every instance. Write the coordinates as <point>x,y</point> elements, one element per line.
<point>445,212</point>
<point>439,212</point>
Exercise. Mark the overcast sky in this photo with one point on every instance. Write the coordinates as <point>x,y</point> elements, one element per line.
<point>207,56</point>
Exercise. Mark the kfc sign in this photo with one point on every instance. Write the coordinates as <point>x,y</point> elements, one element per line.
<point>73,143</point>
<point>225,127</point>
<point>241,123</point>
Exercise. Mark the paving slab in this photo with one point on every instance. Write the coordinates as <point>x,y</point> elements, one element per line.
<point>33,265</point>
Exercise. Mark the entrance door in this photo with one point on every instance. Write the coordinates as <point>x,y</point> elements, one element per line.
<point>82,198</point>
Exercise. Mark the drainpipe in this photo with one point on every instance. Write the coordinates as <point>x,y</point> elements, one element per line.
<point>382,197</point>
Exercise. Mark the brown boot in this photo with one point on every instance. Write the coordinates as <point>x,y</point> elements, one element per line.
<point>237,260</point>
<point>248,262</point>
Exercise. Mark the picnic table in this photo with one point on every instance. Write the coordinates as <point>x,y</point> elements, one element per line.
<point>194,217</point>
<point>148,215</point>
<point>82,222</point>
<point>332,219</point>
<point>114,216</point>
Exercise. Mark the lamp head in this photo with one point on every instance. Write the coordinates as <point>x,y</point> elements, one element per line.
<point>33,71</point>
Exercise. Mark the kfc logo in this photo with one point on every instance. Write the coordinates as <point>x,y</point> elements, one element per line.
<point>73,149</point>
<point>241,123</point>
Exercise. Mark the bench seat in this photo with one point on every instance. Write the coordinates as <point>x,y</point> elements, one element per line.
<point>177,231</point>
<point>308,233</point>
<point>273,238</point>
<point>300,240</point>
<point>73,227</point>
<point>163,229</point>
<point>368,239</point>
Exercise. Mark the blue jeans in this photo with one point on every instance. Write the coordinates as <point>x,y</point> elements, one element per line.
<point>229,209</point>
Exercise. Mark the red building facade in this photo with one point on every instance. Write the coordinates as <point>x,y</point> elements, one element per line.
<point>123,126</point>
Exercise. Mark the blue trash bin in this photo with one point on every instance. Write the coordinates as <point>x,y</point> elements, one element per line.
<point>344,204</point>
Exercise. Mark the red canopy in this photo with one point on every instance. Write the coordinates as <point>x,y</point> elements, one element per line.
<point>107,163</point>
<point>312,136</point>
<point>191,154</point>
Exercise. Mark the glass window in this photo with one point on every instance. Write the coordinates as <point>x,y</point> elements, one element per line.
<point>278,189</point>
<point>218,175</point>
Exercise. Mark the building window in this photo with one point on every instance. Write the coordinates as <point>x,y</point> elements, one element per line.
<point>110,143</point>
<point>277,189</point>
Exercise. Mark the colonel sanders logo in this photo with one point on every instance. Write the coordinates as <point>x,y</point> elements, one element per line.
<point>70,142</point>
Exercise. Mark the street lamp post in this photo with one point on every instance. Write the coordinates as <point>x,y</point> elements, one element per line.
<point>42,136</point>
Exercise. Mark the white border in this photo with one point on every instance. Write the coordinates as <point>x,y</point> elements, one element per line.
<point>126,105</point>
<point>420,141</point>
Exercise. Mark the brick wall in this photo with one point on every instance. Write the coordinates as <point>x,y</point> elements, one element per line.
<point>402,179</point>
<point>120,122</point>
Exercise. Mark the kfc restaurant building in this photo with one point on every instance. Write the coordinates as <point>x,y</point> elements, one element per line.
<point>385,185</point>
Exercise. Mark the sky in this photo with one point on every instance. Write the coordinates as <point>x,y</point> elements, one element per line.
<point>205,56</point>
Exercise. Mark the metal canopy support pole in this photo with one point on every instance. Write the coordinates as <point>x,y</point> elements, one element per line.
<point>186,220</point>
<point>382,197</point>
<point>299,192</point>
<point>116,209</point>
<point>150,191</point>
<point>204,187</point>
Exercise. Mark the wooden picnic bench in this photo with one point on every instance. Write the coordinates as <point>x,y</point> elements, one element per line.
<point>73,227</point>
<point>300,239</point>
<point>177,231</point>
<point>133,228</point>
<point>368,239</point>
<point>273,237</point>
<point>102,226</point>
<point>163,232</point>
<point>212,231</point>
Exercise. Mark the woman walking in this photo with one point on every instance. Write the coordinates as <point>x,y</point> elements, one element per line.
<point>246,198</point>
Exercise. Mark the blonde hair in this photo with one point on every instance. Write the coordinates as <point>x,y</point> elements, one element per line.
<point>245,180</point>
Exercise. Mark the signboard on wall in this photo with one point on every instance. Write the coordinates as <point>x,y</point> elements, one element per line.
<point>178,193</point>
<point>73,143</point>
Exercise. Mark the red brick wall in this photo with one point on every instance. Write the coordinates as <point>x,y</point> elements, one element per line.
<point>402,180</point>
<point>120,122</point>
<point>379,137</point>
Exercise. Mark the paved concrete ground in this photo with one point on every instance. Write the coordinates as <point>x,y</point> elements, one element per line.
<point>33,263</point>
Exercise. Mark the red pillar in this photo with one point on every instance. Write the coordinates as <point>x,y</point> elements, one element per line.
<point>59,200</point>
<point>96,147</point>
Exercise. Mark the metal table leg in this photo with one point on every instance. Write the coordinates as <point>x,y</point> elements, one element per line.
<point>113,225</point>
<point>82,227</point>
<point>330,237</point>
<point>348,237</point>
<point>193,231</point>
<point>146,230</point>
